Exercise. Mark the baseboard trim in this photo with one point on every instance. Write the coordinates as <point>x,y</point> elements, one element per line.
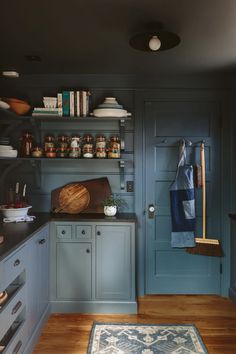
<point>94,307</point>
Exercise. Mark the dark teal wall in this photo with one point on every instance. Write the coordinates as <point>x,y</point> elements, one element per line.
<point>131,92</point>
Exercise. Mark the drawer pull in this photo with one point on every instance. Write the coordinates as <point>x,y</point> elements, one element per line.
<point>16,263</point>
<point>83,232</point>
<point>98,233</point>
<point>88,250</point>
<point>17,347</point>
<point>42,241</point>
<point>16,307</point>
<point>63,232</point>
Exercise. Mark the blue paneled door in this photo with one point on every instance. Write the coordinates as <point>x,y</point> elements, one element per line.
<point>168,270</point>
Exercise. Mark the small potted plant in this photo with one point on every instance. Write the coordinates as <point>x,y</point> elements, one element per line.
<point>112,203</point>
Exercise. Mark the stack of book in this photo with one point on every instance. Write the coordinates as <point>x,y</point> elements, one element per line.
<point>74,103</point>
<point>69,104</point>
<point>42,111</point>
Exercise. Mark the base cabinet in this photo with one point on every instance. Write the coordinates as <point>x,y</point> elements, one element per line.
<point>92,267</point>
<point>24,276</point>
<point>74,271</point>
<point>113,268</point>
<point>13,311</point>
<point>37,278</point>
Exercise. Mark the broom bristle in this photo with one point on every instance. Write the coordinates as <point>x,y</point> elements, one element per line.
<point>206,249</point>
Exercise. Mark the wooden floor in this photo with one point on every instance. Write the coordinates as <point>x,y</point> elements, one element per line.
<point>215,318</point>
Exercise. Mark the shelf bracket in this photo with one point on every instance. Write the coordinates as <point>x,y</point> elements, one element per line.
<point>122,174</point>
<point>122,134</point>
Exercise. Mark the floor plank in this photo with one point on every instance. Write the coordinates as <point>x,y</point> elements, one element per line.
<point>214,316</point>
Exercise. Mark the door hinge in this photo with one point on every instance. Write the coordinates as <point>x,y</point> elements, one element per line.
<point>221,268</point>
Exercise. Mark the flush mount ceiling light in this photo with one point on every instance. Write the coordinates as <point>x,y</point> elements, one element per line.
<point>154,38</point>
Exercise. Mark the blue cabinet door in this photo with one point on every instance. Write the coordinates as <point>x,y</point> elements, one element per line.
<point>169,270</point>
<point>113,263</point>
<point>74,270</point>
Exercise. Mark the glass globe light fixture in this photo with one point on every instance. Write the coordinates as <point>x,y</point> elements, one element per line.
<point>154,43</point>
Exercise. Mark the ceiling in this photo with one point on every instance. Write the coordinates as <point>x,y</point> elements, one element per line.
<point>92,36</point>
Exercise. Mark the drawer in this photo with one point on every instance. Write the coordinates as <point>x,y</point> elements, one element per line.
<point>14,265</point>
<point>83,232</point>
<point>17,342</point>
<point>64,231</point>
<point>12,309</point>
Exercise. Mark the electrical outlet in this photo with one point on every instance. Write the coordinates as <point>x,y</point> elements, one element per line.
<point>129,186</point>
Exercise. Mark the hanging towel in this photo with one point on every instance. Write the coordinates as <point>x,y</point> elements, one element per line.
<point>182,199</point>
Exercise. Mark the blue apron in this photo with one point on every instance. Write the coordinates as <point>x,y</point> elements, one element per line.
<point>182,198</point>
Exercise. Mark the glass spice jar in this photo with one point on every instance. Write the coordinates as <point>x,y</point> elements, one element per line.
<point>88,148</point>
<point>101,147</point>
<point>26,144</point>
<point>75,149</point>
<point>51,152</point>
<point>49,142</point>
<point>37,151</point>
<point>62,146</point>
<point>114,147</point>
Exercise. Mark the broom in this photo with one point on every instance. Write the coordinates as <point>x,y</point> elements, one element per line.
<point>205,246</point>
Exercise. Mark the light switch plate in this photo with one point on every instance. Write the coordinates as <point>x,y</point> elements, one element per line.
<point>129,186</point>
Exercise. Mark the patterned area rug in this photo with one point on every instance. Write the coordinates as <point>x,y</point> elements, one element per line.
<point>120,338</point>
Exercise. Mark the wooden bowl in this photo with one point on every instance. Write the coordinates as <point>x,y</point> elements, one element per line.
<point>18,106</point>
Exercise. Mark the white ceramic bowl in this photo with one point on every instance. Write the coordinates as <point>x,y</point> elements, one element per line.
<point>50,102</point>
<point>14,212</point>
<point>110,112</point>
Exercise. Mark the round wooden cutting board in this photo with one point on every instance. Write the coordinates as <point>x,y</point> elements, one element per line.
<point>73,198</point>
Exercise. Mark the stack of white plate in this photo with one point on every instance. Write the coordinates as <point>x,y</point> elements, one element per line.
<point>7,151</point>
<point>110,108</point>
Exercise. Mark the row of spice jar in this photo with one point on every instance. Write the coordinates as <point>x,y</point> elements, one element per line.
<point>74,146</point>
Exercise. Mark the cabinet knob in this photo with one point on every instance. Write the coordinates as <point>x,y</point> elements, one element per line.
<point>16,263</point>
<point>98,233</point>
<point>42,241</point>
<point>83,232</point>
<point>63,232</point>
<point>88,250</point>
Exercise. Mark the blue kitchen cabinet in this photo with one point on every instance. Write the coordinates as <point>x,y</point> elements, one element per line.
<point>114,269</point>
<point>37,280</point>
<point>13,329</point>
<point>92,267</point>
<point>74,271</point>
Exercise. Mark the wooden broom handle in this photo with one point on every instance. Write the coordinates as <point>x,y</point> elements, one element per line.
<point>202,157</point>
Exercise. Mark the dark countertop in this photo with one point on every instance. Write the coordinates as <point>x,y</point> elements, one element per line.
<point>120,217</point>
<point>15,234</point>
